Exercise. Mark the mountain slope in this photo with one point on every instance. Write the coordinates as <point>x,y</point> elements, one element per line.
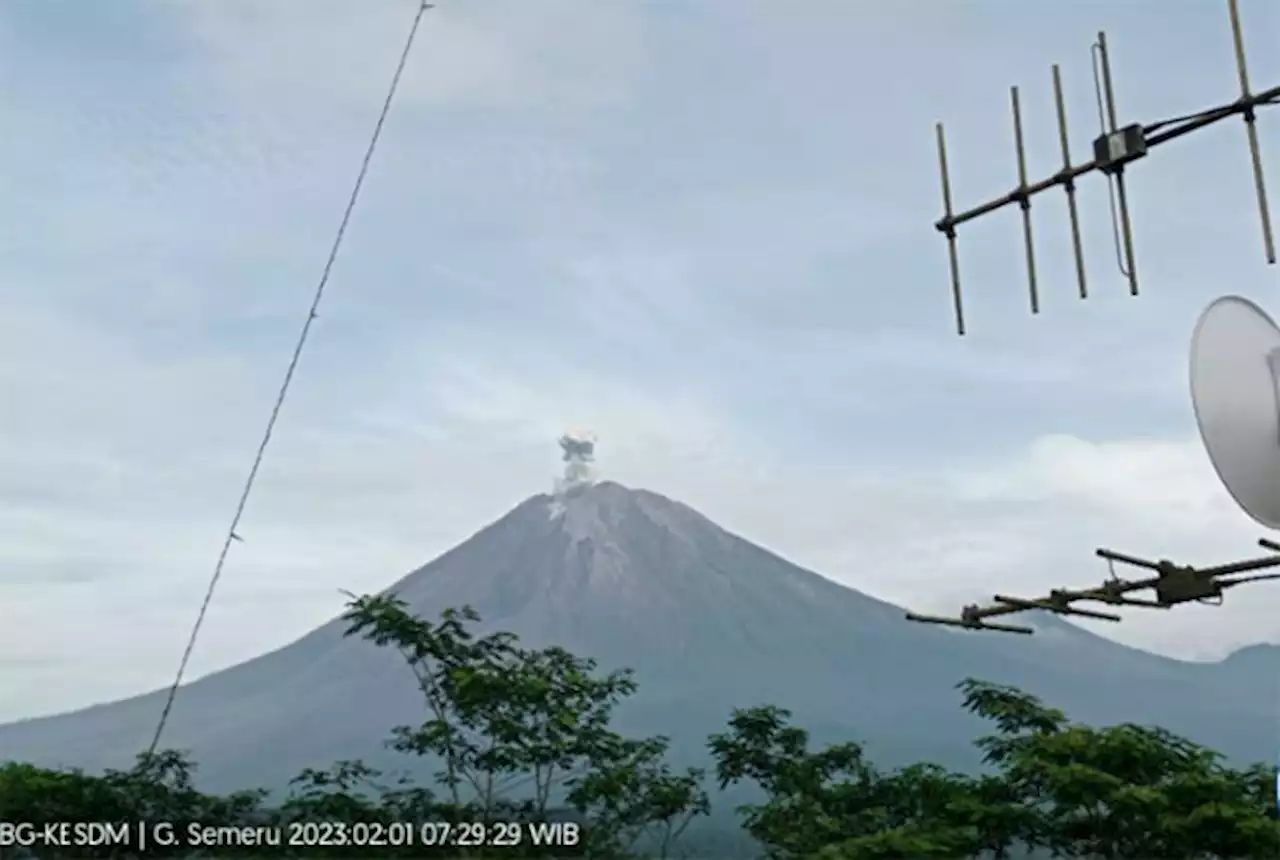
<point>708,620</point>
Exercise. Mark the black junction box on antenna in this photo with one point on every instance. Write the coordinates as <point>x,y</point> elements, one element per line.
<point>1113,150</point>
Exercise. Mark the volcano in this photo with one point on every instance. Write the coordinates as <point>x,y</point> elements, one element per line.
<point>709,622</point>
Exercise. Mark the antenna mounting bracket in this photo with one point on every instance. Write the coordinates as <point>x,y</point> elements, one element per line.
<point>1113,150</point>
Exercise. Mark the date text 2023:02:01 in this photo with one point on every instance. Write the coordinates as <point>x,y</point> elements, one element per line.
<point>161,835</point>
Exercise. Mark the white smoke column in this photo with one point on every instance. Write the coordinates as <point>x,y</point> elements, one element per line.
<point>579,447</point>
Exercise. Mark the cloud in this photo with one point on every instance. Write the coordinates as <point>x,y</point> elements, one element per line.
<point>935,539</point>
<point>497,55</point>
<point>701,231</point>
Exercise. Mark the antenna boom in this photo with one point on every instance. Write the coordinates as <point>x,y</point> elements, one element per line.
<point>1173,585</point>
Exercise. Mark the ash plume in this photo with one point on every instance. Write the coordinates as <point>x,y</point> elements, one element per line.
<point>579,447</point>
<point>579,454</point>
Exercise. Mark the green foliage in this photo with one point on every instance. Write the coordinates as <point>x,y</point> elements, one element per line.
<point>519,730</point>
<point>1074,791</point>
<point>526,734</point>
<point>1124,791</point>
<point>833,803</point>
<point>631,795</point>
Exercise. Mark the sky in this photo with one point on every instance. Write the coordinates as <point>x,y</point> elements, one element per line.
<point>702,230</point>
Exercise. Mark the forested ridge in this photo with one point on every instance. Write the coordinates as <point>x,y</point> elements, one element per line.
<point>524,738</point>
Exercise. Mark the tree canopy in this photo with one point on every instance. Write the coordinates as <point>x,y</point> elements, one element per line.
<point>529,765</point>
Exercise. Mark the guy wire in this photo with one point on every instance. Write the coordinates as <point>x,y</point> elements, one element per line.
<point>288,378</point>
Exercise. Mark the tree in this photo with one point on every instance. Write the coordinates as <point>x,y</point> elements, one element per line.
<point>342,792</point>
<point>527,731</point>
<point>633,798</point>
<point>833,803</point>
<point>1077,791</point>
<point>159,788</point>
<point>1124,791</point>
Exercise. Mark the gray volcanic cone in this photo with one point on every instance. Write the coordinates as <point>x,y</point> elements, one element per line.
<point>608,569</point>
<point>708,620</point>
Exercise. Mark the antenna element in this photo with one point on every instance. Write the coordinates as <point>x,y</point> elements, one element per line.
<point>1113,150</point>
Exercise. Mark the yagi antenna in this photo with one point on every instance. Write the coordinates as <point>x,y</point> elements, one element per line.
<point>1113,149</point>
<point>1170,585</point>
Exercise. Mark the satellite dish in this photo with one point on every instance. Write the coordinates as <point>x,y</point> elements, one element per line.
<point>1235,389</point>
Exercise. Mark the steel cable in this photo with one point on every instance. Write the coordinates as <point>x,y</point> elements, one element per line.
<point>232,536</point>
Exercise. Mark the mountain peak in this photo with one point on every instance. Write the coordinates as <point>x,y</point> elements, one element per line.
<point>1263,653</point>
<point>596,510</point>
<point>603,567</point>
